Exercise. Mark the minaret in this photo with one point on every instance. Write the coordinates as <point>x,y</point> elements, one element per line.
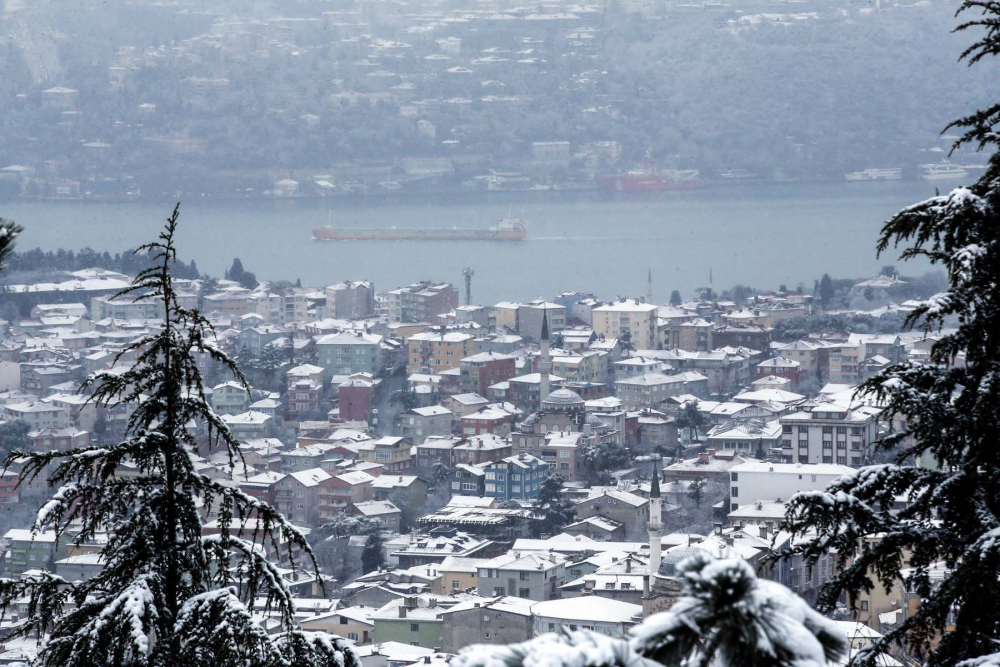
<point>655,528</point>
<point>649,286</point>
<point>545,365</point>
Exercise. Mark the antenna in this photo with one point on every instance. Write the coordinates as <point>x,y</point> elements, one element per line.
<point>468,272</point>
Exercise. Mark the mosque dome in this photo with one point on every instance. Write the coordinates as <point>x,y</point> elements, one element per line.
<point>674,557</point>
<point>563,397</point>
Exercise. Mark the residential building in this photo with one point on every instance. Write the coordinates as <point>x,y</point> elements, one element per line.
<point>529,319</point>
<point>696,335</point>
<point>350,300</point>
<point>628,509</point>
<point>421,302</point>
<point>517,477</point>
<point>845,363</point>
<point>611,618</point>
<point>531,575</point>
<point>28,550</point>
<point>628,318</point>
<point>499,621</point>
<point>418,424</point>
<point>350,352</point>
<point>382,511</point>
<point>434,351</point>
<point>481,370</point>
<point>829,433</point>
<point>38,415</point>
<point>753,481</point>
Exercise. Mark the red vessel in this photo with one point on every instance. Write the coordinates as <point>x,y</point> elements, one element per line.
<point>647,179</point>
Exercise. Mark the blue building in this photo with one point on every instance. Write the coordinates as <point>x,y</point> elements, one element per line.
<point>517,477</point>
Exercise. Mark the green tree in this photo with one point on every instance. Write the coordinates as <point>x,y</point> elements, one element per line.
<point>675,298</point>
<point>553,510</point>
<point>405,398</point>
<point>691,418</point>
<point>372,555</point>
<point>950,527</point>
<point>696,491</point>
<point>826,291</point>
<point>8,233</point>
<point>167,592</point>
<point>14,436</point>
<point>626,342</point>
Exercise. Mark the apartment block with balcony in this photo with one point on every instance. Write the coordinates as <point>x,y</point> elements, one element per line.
<point>829,433</point>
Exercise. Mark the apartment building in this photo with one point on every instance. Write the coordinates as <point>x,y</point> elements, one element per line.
<point>434,351</point>
<point>350,300</point>
<point>631,316</point>
<point>350,352</point>
<point>421,302</point>
<point>755,481</point>
<point>829,433</point>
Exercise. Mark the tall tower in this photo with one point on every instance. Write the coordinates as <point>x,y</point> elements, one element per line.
<point>467,273</point>
<point>649,286</point>
<point>545,365</point>
<point>655,528</point>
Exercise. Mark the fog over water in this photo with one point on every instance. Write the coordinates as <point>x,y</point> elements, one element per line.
<point>758,235</point>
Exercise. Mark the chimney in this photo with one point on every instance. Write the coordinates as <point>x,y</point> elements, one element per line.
<point>402,611</point>
<point>703,457</point>
<point>763,531</point>
<point>628,565</point>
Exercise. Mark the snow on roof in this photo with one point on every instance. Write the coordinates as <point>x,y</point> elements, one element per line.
<point>311,477</point>
<point>588,608</point>
<point>753,465</point>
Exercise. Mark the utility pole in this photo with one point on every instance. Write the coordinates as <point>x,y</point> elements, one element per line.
<point>467,272</point>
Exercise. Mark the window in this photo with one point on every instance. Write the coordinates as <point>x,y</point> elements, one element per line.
<point>486,618</point>
<point>523,576</point>
<point>564,453</point>
<point>524,592</point>
<point>456,485</point>
<point>735,491</point>
<point>455,584</point>
<point>864,605</point>
<point>353,636</point>
<point>343,620</point>
<point>814,478</point>
<point>414,627</point>
<point>735,476</point>
<point>552,627</point>
<point>487,635</point>
<point>499,591</point>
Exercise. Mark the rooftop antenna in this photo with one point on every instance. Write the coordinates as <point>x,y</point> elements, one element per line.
<point>468,272</point>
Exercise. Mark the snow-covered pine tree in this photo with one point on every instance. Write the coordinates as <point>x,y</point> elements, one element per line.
<point>725,617</point>
<point>8,232</point>
<point>168,593</point>
<point>951,408</point>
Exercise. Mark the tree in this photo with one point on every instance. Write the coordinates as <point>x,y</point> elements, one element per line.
<point>8,233</point>
<point>825,291</point>
<point>626,340</point>
<point>371,555</point>
<point>690,417</point>
<point>675,298</point>
<point>696,491</point>
<point>724,616</point>
<point>167,592</point>
<point>343,525</point>
<point>949,529</point>
<point>603,457</point>
<point>14,436</point>
<point>237,273</point>
<point>552,509</point>
<point>406,398</point>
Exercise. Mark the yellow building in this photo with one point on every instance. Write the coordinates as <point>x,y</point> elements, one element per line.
<point>845,363</point>
<point>628,315</point>
<point>457,574</point>
<point>433,351</point>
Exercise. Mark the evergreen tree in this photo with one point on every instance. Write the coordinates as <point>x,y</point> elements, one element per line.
<point>944,545</point>
<point>626,343</point>
<point>552,509</point>
<point>725,617</point>
<point>342,525</point>
<point>371,555</point>
<point>168,594</point>
<point>675,298</point>
<point>691,418</point>
<point>825,291</point>
<point>14,436</point>
<point>696,491</point>
<point>8,233</point>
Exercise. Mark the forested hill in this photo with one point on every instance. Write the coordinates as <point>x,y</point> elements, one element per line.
<point>797,89</point>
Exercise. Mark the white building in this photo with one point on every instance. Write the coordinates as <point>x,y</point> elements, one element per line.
<point>754,481</point>
<point>598,614</point>
<point>829,433</point>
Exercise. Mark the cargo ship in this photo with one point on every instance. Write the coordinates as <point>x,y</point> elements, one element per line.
<point>508,229</point>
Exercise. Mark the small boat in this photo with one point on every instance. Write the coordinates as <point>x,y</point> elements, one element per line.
<point>942,171</point>
<point>893,174</point>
